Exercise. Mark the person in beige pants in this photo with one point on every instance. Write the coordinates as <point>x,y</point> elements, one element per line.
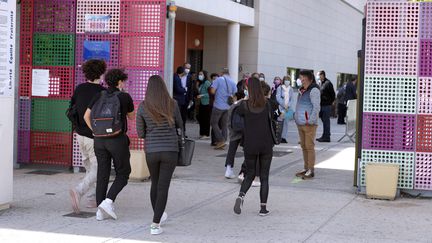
<point>306,118</point>
<point>83,94</point>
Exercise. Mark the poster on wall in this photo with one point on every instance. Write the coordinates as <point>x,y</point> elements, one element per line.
<point>96,50</point>
<point>40,82</point>
<point>97,23</point>
<point>7,48</point>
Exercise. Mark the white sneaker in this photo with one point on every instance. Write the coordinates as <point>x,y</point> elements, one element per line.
<point>256,183</point>
<point>156,229</point>
<point>229,174</point>
<point>164,218</point>
<point>107,207</point>
<point>240,178</point>
<point>100,215</point>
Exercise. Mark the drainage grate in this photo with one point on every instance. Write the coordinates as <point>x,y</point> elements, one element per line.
<point>277,154</point>
<point>43,172</point>
<point>81,215</point>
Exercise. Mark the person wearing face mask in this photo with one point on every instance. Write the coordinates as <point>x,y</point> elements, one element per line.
<point>284,97</point>
<point>261,77</point>
<point>182,90</point>
<point>204,111</point>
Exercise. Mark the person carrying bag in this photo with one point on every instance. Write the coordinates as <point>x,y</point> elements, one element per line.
<point>158,120</point>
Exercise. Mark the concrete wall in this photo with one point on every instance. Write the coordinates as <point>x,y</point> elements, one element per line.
<point>222,9</point>
<point>215,48</point>
<point>312,34</point>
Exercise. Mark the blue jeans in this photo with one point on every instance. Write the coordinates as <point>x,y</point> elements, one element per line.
<point>325,117</point>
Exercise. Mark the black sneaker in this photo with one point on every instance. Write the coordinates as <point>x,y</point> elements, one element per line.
<point>283,140</point>
<point>238,205</point>
<point>323,140</point>
<point>264,212</point>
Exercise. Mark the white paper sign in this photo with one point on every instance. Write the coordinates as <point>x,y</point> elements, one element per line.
<point>40,82</point>
<point>97,23</point>
<point>7,48</point>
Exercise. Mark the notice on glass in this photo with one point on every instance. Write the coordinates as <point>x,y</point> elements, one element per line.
<point>40,82</point>
<point>96,50</point>
<point>97,23</point>
<point>7,48</point>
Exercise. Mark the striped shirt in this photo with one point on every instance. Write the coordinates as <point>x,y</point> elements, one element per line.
<point>158,137</point>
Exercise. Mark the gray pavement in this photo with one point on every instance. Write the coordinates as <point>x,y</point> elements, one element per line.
<point>200,205</point>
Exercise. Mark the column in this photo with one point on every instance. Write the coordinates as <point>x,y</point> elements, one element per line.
<point>233,49</point>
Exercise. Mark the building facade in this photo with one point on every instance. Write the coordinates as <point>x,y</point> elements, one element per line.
<point>274,37</point>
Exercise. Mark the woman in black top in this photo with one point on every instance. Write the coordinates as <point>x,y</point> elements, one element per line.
<point>258,143</point>
<point>157,121</point>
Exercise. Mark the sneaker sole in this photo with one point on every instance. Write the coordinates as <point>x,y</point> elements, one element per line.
<point>75,202</point>
<point>263,214</point>
<point>113,216</point>
<point>156,233</point>
<point>237,206</point>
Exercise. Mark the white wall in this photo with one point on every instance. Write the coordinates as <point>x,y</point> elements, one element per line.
<point>223,9</point>
<point>313,34</point>
<point>7,104</point>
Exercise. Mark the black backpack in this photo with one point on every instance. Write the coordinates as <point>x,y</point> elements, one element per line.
<point>106,115</point>
<point>237,121</point>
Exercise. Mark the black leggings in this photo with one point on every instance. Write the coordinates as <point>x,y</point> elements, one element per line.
<point>161,166</point>
<point>251,161</point>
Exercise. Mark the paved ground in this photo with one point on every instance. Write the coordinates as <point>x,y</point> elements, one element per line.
<point>200,206</point>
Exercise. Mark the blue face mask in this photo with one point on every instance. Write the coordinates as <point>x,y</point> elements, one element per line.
<point>246,92</point>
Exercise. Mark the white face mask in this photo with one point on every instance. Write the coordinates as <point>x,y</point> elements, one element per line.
<point>201,77</point>
<point>287,83</point>
<point>187,70</point>
<point>261,79</point>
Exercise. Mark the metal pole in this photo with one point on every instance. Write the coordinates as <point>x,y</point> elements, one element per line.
<point>169,45</point>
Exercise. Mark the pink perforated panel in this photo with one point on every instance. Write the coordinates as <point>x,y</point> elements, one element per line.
<point>389,131</point>
<point>24,113</point>
<point>425,96</point>
<point>76,152</point>
<point>426,58</point>
<point>98,7</point>
<point>143,17</point>
<point>392,19</point>
<point>391,57</point>
<point>424,133</point>
<point>54,15</point>
<point>423,171</point>
<point>25,80</point>
<point>136,84</point>
<point>142,51</point>
<point>426,20</point>
<point>23,141</point>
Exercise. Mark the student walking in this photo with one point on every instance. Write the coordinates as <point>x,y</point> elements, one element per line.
<point>306,118</point>
<point>83,94</point>
<point>258,143</point>
<point>158,119</point>
<point>111,109</point>
<point>204,111</point>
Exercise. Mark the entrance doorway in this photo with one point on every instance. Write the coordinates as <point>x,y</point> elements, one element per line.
<point>195,58</point>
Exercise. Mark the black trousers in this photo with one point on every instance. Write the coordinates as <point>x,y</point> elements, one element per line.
<point>251,162</point>
<point>232,150</point>
<point>342,110</point>
<point>161,166</point>
<point>204,115</point>
<point>184,113</point>
<point>116,150</point>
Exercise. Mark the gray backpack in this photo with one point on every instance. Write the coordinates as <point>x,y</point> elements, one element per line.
<point>106,115</point>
